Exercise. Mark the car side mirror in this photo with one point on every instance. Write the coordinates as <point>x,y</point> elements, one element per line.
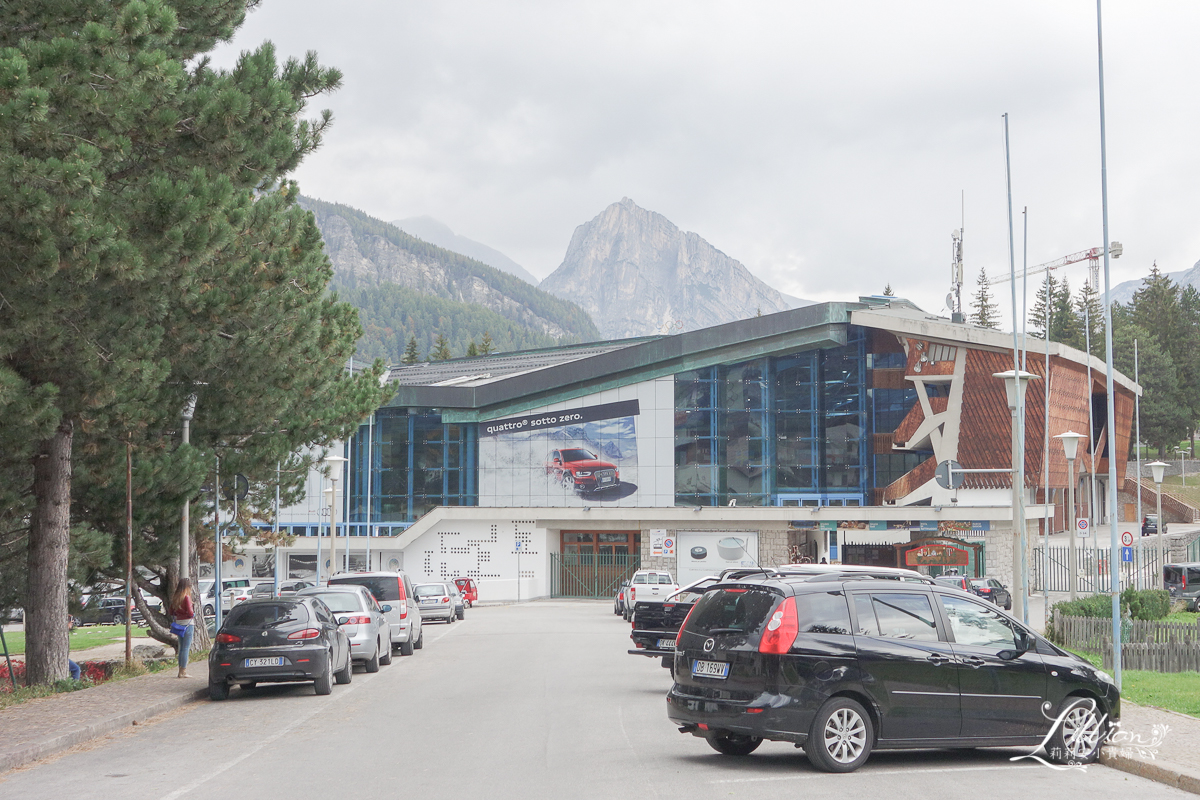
<point>1025,643</point>
<point>385,608</point>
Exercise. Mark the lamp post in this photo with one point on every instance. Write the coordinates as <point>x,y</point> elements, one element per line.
<point>1015,382</point>
<point>1156,469</point>
<point>336,462</point>
<point>185,539</point>
<point>1182,469</point>
<point>1070,443</point>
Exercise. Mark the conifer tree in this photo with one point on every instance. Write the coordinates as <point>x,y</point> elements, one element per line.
<point>472,349</point>
<point>441,349</point>
<point>411,356</point>
<point>887,291</point>
<point>1090,312</point>
<point>984,312</point>
<point>150,248</point>
<point>1041,315</point>
<point>486,346</point>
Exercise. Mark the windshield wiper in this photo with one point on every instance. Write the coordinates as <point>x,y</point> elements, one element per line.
<point>279,622</point>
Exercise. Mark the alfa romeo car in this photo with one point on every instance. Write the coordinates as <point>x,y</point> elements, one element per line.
<point>581,469</point>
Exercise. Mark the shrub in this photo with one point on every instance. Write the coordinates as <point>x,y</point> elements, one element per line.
<point>1139,604</point>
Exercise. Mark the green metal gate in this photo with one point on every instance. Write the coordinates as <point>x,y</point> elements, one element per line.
<point>590,575</point>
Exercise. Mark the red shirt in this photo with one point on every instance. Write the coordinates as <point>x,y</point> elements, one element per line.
<point>184,610</point>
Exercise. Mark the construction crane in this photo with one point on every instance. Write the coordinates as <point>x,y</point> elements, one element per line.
<point>1092,256</point>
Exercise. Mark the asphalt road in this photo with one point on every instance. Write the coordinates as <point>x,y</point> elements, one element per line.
<point>536,701</point>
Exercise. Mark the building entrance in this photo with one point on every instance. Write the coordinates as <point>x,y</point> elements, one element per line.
<point>594,563</point>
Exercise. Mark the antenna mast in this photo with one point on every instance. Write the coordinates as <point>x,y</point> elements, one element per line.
<point>956,276</point>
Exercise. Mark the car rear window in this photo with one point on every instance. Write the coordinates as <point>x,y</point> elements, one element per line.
<point>259,615</point>
<point>429,590</point>
<point>823,612</point>
<point>341,601</point>
<point>664,579</point>
<point>732,611</point>
<point>384,588</point>
<point>639,578</point>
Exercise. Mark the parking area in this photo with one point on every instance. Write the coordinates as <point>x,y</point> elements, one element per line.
<point>538,700</point>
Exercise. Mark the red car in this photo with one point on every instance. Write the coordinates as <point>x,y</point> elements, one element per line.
<point>468,589</point>
<point>578,468</point>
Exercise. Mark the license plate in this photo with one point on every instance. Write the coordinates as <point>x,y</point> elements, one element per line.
<point>278,661</point>
<point>606,480</point>
<point>666,644</point>
<point>710,669</point>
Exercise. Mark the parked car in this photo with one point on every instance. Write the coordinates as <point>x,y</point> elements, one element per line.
<point>239,586</point>
<point>103,611</point>
<point>648,584</point>
<point>1182,581</point>
<point>801,658</point>
<point>267,588</point>
<point>460,604</point>
<point>394,589</point>
<point>279,640</point>
<point>656,623</point>
<point>960,582</point>
<point>994,590</point>
<point>469,590</point>
<point>619,599</point>
<point>362,619</point>
<point>1150,525</point>
<point>580,469</point>
<point>435,601</point>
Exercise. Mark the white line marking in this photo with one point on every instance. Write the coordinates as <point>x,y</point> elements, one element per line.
<point>873,773</point>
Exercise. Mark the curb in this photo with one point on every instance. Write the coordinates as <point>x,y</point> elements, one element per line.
<point>57,744</point>
<point>1172,774</point>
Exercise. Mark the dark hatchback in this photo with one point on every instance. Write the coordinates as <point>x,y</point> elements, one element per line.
<point>279,640</point>
<point>845,663</point>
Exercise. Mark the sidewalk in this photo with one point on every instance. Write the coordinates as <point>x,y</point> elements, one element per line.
<point>49,725</point>
<point>1160,745</point>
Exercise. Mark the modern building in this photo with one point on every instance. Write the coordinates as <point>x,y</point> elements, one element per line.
<point>812,434</point>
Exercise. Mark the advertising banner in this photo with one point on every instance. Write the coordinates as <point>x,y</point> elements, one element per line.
<point>703,553</point>
<point>575,457</point>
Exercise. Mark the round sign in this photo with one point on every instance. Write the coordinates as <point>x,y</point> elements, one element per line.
<point>668,543</point>
<point>1082,524</point>
<point>1127,538</point>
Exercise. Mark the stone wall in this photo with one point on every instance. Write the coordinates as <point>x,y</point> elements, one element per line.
<point>999,555</point>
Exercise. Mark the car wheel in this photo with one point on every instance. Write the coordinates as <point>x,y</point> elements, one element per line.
<point>372,664</point>
<point>840,737</point>
<point>420,639</point>
<point>733,744</point>
<point>324,682</point>
<point>345,674</point>
<point>209,611</point>
<point>460,614</point>
<point>1008,605</point>
<point>118,619</point>
<point>385,653</point>
<point>407,647</point>
<point>1079,733</point>
<point>569,481</point>
<point>218,690</point>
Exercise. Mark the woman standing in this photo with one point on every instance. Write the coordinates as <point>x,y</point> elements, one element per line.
<point>182,614</point>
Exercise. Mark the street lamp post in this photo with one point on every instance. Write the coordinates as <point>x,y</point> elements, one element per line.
<point>185,533</point>
<point>1070,443</point>
<point>1156,469</point>
<point>1015,382</point>
<point>1182,468</point>
<point>336,462</point>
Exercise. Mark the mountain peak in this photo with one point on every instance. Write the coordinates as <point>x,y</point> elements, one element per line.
<point>636,273</point>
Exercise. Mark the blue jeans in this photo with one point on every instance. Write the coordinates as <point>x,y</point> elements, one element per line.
<point>75,671</point>
<point>185,645</point>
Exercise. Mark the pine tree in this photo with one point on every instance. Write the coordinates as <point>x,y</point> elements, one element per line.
<point>1065,325</point>
<point>151,248</point>
<point>411,356</point>
<point>1090,311</point>
<point>1041,322</point>
<point>486,347</point>
<point>984,312</point>
<point>441,350</point>
<point>472,349</point>
<point>887,291</point>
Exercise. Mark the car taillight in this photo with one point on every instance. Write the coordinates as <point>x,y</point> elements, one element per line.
<point>307,633</point>
<point>227,638</point>
<point>685,621</point>
<point>357,621</point>
<point>445,599</point>
<point>781,629</point>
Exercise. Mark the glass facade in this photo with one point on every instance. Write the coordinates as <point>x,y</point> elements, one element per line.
<point>808,428</point>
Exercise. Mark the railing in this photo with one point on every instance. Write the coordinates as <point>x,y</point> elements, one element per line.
<point>1146,644</point>
<point>590,575</point>
<point>1092,569</point>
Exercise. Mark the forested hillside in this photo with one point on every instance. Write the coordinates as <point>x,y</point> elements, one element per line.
<point>391,314</point>
<point>404,284</point>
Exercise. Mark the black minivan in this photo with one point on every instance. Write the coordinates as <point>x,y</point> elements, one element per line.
<point>845,662</point>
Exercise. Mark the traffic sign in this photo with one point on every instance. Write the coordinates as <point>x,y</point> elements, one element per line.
<point>1127,554</point>
<point>1081,525</point>
<point>1127,538</point>
<point>948,476</point>
<point>518,547</point>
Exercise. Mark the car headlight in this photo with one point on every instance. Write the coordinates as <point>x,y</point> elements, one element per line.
<point>583,474</point>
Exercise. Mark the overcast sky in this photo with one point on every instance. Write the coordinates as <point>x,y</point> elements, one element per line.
<point>824,145</point>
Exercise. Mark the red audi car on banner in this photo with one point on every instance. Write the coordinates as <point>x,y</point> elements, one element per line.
<point>579,468</point>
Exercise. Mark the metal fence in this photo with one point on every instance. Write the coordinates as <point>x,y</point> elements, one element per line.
<point>1148,645</point>
<point>1093,575</point>
<point>590,575</point>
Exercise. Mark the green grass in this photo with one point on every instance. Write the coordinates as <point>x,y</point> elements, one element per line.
<point>1177,691</point>
<point>1187,617</point>
<point>1189,493</point>
<point>81,638</point>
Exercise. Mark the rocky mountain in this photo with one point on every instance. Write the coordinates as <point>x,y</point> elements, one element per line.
<point>435,232</point>
<point>1123,292</point>
<point>371,258</point>
<point>636,273</point>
